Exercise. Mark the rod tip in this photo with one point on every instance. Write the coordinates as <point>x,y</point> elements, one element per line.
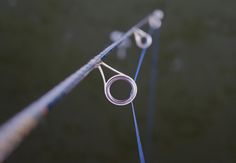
<point>158,14</point>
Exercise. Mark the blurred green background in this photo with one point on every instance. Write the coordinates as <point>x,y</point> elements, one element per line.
<point>43,41</point>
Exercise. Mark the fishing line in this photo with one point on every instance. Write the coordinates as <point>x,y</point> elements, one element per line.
<point>140,148</point>
<point>154,25</point>
<point>143,41</point>
<point>152,91</point>
<point>141,58</point>
<point>142,55</point>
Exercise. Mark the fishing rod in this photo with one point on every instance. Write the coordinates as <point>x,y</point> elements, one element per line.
<point>19,126</point>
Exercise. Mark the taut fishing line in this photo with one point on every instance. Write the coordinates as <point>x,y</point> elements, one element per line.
<point>140,35</point>
<point>14,130</point>
<point>152,93</point>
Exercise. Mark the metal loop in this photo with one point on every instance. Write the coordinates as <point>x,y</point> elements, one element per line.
<point>107,89</point>
<point>109,82</point>
<point>139,36</point>
<point>154,23</point>
<point>155,19</point>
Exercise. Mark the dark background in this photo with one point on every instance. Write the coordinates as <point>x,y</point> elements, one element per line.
<point>42,42</point>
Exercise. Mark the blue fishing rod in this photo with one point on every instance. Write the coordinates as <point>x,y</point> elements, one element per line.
<point>19,126</point>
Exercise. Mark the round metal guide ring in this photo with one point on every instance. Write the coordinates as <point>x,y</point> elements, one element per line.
<point>107,90</point>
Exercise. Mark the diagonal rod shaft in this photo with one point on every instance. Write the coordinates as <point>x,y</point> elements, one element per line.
<point>15,129</point>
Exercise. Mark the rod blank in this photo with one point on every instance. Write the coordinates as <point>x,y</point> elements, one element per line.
<point>15,129</point>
